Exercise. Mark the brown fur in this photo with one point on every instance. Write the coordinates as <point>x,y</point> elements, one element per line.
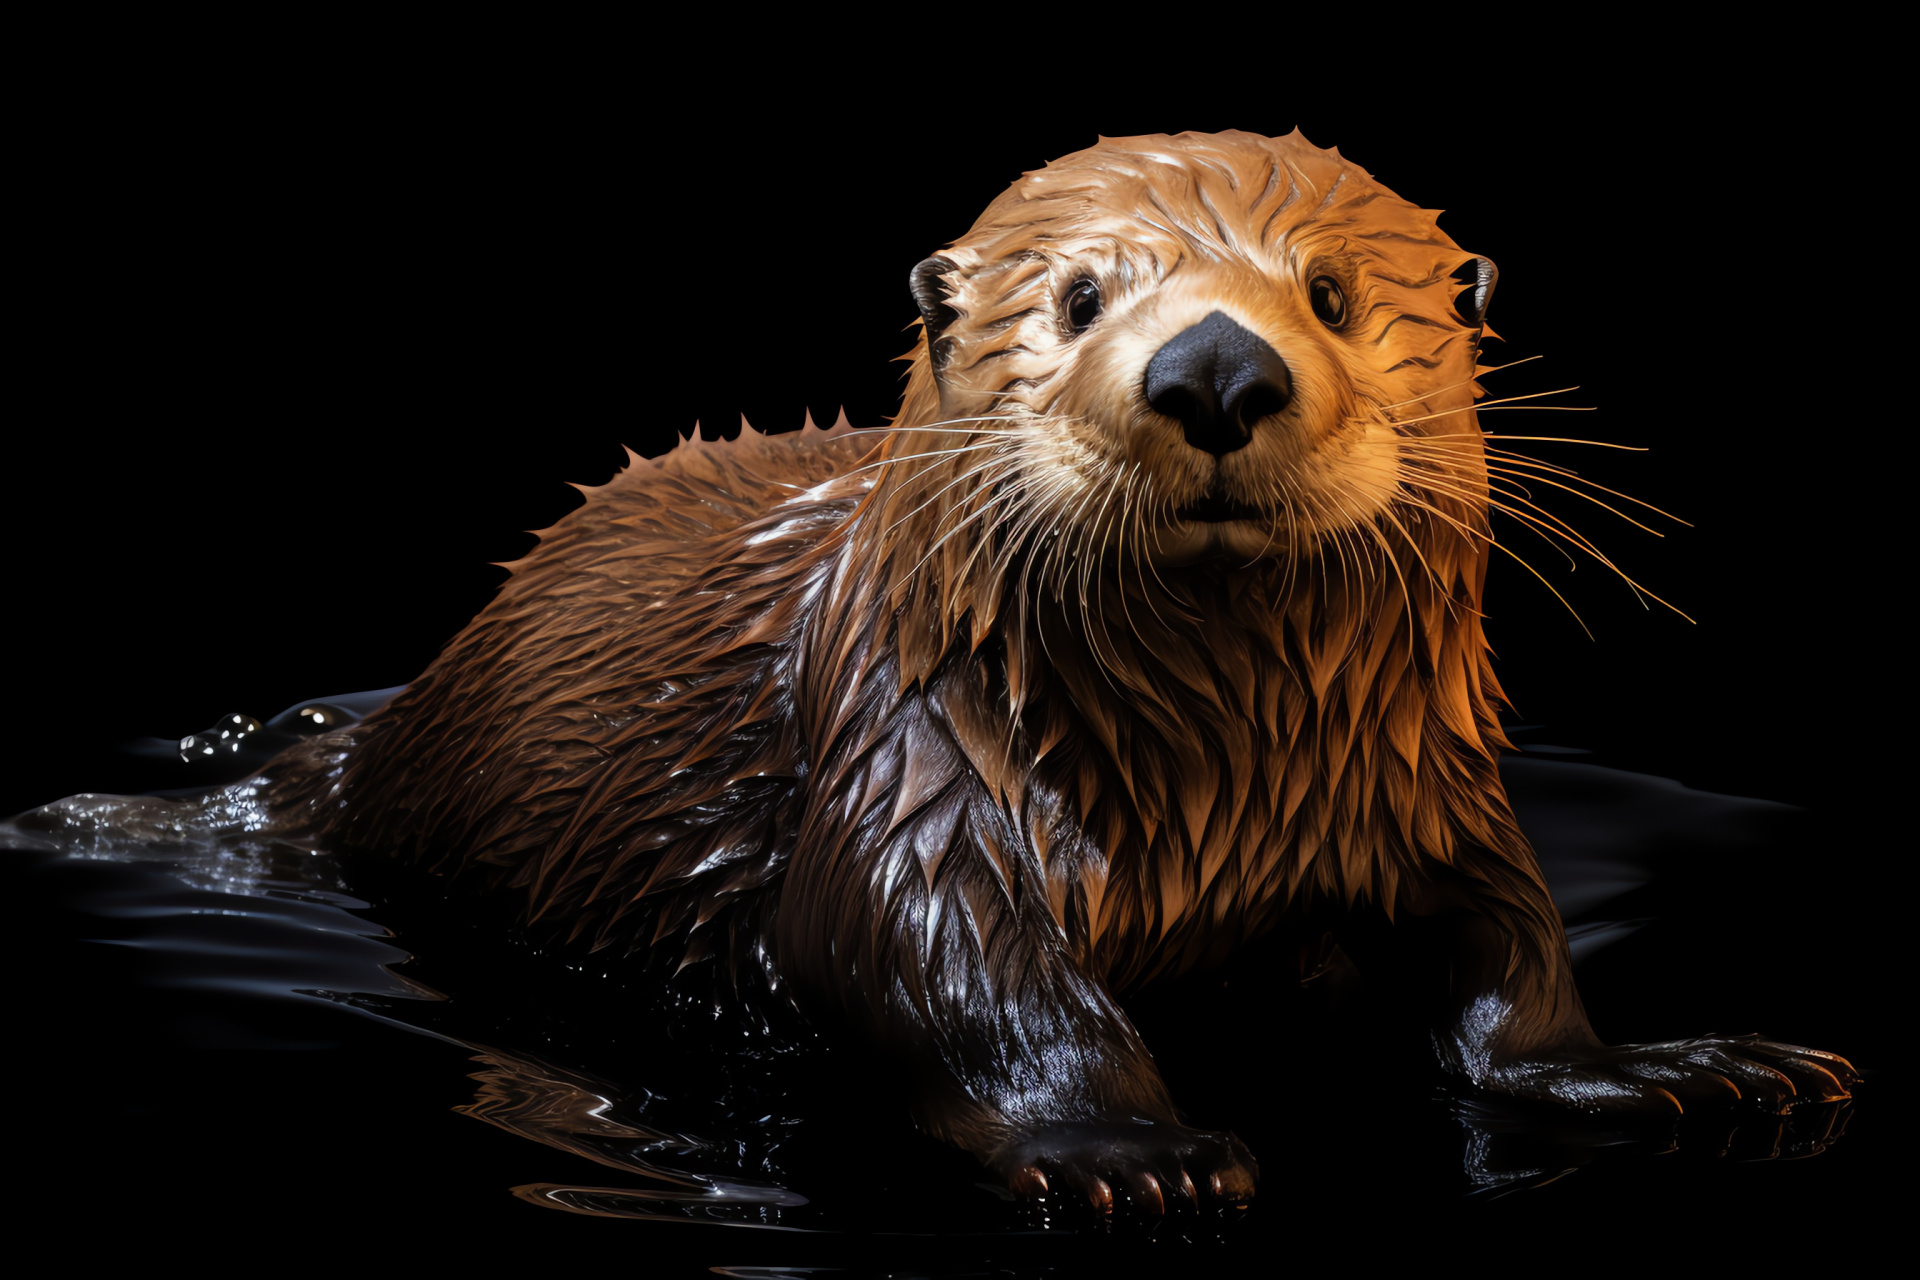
<point>923,735</point>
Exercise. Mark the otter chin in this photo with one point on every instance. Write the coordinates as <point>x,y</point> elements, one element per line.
<point>1151,625</point>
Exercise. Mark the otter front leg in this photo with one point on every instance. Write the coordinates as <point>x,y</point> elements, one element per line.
<point>929,926</point>
<point>1027,1062</point>
<point>1511,1021</point>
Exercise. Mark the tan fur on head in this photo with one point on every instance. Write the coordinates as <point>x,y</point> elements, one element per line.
<point>1170,230</point>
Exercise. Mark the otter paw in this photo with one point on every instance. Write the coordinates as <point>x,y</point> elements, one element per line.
<point>1143,1166</point>
<point>1665,1079</point>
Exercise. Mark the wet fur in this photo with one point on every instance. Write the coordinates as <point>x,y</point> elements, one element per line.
<point>921,727</point>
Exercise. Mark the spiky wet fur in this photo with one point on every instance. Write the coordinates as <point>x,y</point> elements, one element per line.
<point>928,734</point>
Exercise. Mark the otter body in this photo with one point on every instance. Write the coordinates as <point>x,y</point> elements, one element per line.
<point>1153,620</point>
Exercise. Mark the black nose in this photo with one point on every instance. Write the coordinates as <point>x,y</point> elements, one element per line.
<point>1218,379</point>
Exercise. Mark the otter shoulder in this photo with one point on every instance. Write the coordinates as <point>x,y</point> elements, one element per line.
<point>701,488</point>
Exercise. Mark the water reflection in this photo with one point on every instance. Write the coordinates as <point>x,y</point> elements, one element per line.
<point>1511,1148</point>
<point>669,1105</point>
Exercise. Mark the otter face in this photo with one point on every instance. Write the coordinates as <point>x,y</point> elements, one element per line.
<point>1212,347</point>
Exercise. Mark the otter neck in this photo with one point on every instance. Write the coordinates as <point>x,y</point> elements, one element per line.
<point>1184,758</point>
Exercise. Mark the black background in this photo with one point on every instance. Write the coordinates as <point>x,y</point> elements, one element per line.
<point>310,341</point>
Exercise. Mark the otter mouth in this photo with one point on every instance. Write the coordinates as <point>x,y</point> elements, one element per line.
<point>1218,509</point>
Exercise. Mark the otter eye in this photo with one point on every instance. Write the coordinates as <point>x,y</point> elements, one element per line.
<point>1083,305</point>
<point>1328,302</point>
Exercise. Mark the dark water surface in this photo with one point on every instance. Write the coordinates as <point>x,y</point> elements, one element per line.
<point>302,342</point>
<point>225,1036</point>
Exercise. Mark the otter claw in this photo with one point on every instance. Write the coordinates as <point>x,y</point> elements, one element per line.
<point>1029,1181</point>
<point>1235,1186</point>
<point>1101,1195</point>
<point>1147,1193</point>
<point>1836,1088</point>
<point>1139,1167</point>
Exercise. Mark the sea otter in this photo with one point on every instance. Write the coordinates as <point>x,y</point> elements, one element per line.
<point>1151,625</point>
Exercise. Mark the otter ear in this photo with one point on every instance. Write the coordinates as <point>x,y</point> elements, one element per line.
<point>931,292</point>
<point>1477,275</point>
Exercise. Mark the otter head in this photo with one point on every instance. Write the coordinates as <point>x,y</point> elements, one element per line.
<point>1202,348</point>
